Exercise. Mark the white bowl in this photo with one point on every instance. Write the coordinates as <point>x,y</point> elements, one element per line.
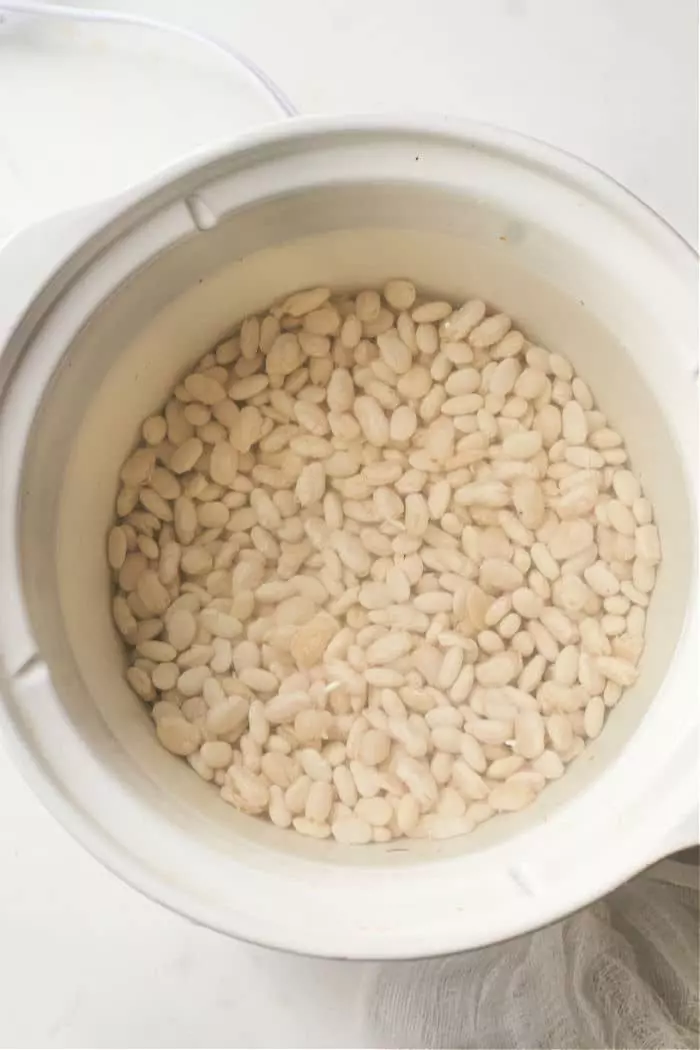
<point>138,289</point>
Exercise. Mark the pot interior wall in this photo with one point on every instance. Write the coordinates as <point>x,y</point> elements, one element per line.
<point>131,352</point>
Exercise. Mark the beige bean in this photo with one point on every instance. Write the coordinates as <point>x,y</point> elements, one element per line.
<point>352,831</point>
<point>178,736</point>
<point>529,734</point>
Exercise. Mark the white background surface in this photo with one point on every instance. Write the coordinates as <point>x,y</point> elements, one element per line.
<point>87,110</point>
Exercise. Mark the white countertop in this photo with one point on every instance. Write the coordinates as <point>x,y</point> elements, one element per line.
<point>85,111</point>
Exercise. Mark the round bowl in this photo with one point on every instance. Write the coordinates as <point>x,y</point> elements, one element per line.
<point>134,291</point>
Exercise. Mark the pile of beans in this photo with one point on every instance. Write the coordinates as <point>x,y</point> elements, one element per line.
<point>381,566</point>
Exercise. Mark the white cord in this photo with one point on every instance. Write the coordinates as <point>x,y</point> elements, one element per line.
<point>78,14</point>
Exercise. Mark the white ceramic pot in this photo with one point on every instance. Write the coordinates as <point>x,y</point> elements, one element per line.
<point>99,313</point>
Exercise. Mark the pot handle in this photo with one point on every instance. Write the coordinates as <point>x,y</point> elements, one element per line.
<point>685,835</point>
<point>682,812</point>
<point>29,257</point>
